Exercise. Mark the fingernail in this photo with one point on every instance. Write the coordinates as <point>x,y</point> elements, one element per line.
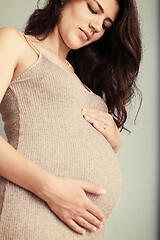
<point>94,229</point>
<point>103,190</point>
<point>83,232</point>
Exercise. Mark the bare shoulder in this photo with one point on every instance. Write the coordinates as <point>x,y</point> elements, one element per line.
<point>11,44</point>
<point>11,39</point>
<point>10,35</point>
<point>11,50</point>
<point>9,31</point>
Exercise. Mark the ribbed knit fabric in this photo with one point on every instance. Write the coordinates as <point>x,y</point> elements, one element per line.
<point>41,110</point>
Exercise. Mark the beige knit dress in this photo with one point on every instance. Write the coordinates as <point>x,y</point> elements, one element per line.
<point>41,110</point>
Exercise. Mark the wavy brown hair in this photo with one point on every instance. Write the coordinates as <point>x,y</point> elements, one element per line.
<point>108,66</point>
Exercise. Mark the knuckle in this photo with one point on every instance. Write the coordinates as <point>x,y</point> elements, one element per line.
<point>83,202</point>
<point>79,212</point>
<point>72,215</point>
<point>81,222</point>
<point>87,204</point>
<point>64,217</point>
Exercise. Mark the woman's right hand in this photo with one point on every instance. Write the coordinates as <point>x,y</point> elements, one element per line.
<point>67,199</point>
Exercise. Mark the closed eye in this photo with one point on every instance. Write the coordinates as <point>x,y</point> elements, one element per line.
<point>94,12</point>
<point>104,26</point>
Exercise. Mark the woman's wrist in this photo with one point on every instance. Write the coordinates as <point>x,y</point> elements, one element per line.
<point>46,181</point>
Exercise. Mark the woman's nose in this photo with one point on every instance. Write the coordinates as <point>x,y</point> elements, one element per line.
<point>96,25</point>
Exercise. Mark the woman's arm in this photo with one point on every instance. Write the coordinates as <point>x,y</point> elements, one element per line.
<point>66,197</point>
<point>20,170</point>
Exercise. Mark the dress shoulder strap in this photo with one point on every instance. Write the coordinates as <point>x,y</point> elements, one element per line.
<point>31,44</point>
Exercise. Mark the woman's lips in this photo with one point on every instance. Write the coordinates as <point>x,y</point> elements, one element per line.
<point>83,35</point>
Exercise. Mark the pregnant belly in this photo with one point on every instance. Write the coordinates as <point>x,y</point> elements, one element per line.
<point>82,155</point>
<point>85,155</point>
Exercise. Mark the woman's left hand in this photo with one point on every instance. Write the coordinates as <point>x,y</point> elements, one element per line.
<point>105,124</point>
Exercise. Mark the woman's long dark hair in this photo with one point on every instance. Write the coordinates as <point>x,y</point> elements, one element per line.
<point>108,66</point>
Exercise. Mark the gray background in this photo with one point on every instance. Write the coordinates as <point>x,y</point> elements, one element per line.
<point>136,215</point>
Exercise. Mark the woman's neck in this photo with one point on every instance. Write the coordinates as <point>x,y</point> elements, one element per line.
<point>55,43</point>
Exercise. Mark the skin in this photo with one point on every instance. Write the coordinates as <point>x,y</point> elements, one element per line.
<point>66,197</point>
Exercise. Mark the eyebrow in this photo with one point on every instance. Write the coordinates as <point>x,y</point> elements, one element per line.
<point>102,10</point>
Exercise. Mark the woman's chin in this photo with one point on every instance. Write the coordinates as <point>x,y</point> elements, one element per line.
<point>76,43</point>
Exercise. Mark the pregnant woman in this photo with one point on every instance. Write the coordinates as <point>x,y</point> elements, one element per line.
<point>64,84</point>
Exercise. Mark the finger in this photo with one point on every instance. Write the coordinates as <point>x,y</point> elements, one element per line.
<point>90,119</point>
<point>92,208</point>
<point>91,188</point>
<point>97,124</point>
<point>81,221</point>
<point>100,116</point>
<point>96,119</point>
<point>94,221</point>
<point>95,116</point>
<point>73,225</point>
<point>96,111</point>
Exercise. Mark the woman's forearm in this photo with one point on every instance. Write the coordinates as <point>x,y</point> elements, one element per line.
<point>21,171</point>
<point>65,197</point>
